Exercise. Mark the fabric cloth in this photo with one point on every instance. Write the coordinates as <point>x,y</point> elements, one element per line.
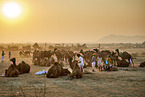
<point>93,65</point>
<point>108,60</point>
<point>54,57</point>
<point>93,59</point>
<point>81,62</point>
<point>2,58</point>
<point>99,62</point>
<point>41,72</point>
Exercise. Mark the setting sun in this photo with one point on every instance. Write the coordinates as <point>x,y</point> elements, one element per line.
<point>11,9</point>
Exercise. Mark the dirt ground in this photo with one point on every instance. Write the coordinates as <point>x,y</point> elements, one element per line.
<point>127,82</point>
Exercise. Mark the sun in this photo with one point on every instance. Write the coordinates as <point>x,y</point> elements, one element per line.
<point>11,9</point>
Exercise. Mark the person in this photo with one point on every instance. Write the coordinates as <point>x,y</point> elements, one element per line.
<point>9,55</point>
<point>81,61</point>
<point>108,61</point>
<point>3,53</point>
<point>99,62</point>
<point>93,62</point>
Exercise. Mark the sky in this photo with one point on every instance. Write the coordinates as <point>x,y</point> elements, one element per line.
<point>72,21</point>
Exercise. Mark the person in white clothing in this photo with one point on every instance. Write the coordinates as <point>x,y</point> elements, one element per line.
<point>81,61</point>
<point>93,62</point>
<point>99,62</point>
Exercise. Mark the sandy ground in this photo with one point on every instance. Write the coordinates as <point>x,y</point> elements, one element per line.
<point>130,83</point>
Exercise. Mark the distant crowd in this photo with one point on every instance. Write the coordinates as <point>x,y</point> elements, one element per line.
<point>3,55</point>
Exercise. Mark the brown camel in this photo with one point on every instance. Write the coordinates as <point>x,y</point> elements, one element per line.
<point>142,64</point>
<point>22,67</point>
<point>76,70</point>
<point>12,71</point>
<point>125,55</point>
<point>103,54</point>
<point>36,61</point>
<point>122,63</point>
<point>66,55</point>
<point>56,70</point>
<point>58,55</point>
<point>87,55</point>
<point>36,54</point>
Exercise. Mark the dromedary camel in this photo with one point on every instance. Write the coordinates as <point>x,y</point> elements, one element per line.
<point>12,71</point>
<point>56,70</point>
<point>76,70</point>
<point>125,55</point>
<point>22,67</point>
<point>142,64</point>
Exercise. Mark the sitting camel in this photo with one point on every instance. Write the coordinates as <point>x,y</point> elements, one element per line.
<point>122,63</point>
<point>56,70</point>
<point>22,67</point>
<point>142,64</point>
<point>12,71</point>
<point>76,70</point>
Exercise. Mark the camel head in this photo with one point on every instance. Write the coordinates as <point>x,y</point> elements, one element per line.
<point>23,62</point>
<point>117,50</point>
<point>13,60</point>
<point>96,50</point>
<point>56,63</point>
<point>55,49</point>
<point>81,51</point>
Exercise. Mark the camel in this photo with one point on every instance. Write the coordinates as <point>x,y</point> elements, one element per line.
<point>58,55</point>
<point>56,70</point>
<point>103,54</point>
<point>76,70</point>
<point>125,55</point>
<point>142,64</point>
<point>36,61</point>
<point>22,67</point>
<point>46,54</point>
<point>12,71</point>
<point>36,55</point>
<point>66,55</point>
<point>25,53</point>
<point>114,58</point>
<point>46,62</point>
<point>87,55</point>
<point>122,63</point>
<point>71,54</point>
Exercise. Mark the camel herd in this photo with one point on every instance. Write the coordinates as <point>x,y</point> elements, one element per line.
<point>55,59</point>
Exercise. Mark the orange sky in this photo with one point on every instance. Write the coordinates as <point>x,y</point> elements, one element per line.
<point>72,20</point>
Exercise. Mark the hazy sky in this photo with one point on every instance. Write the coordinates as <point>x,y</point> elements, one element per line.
<point>72,20</point>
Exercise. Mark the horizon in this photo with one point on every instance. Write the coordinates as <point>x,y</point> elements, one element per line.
<point>67,21</point>
<point>96,42</point>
